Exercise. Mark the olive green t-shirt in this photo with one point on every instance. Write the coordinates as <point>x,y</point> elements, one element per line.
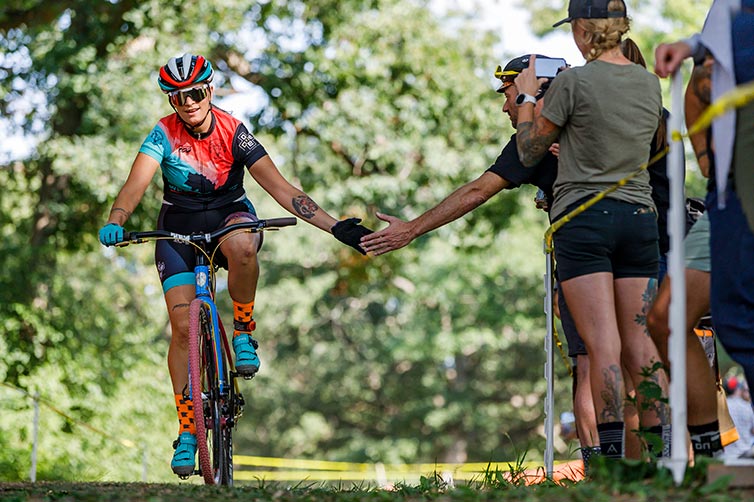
<point>608,115</point>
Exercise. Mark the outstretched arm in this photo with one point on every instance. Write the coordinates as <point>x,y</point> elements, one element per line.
<point>288,196</point>
<point>347,231</point>
<point>400,233</point>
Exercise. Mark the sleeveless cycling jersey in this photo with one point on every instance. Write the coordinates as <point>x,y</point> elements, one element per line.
<point>203,171</point>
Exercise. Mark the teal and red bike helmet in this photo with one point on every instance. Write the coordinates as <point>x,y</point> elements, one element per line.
<point>184,71</point>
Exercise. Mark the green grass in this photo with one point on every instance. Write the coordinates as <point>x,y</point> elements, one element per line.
<point>611,482</point>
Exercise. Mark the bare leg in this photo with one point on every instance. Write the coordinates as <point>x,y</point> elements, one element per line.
<point>700,380</point>
<point>633,299</point>
<point>243,267</point>
<point>591,302</point>
<point>583,405</point>
<point>631,418</point>
<point>178,300</point>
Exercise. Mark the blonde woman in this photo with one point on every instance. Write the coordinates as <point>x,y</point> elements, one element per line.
<point>604,116</point>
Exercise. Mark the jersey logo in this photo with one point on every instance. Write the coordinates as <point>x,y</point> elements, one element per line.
<point>156,136</point>
<point>247,141</point>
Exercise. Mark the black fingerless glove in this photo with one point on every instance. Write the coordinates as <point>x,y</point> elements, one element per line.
<point>350,232</point>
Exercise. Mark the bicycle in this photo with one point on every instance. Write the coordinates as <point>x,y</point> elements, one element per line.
<point>212,377</point>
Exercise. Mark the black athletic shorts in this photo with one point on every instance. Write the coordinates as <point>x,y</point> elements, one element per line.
<point>611,236</point>
<point>175,261</point>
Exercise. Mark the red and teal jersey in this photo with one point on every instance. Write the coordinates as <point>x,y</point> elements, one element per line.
<point>203,171</point>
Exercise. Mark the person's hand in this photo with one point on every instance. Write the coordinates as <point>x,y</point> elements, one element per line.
<point>555,149</point>
<point>111,234</point>
<point>540,201</point>
<point>668,57</point>
<point>349,232</point>
<point>396,235</point>
<point>527,82</point>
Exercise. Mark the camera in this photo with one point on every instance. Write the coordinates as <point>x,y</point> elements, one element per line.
<point>548,67</point>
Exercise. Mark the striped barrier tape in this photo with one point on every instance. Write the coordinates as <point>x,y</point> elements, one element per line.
<point>323,470</point>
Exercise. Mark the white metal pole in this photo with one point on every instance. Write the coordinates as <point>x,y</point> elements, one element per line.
<point>35,440</point>
<point>677,343</point>
<point>549,361</point>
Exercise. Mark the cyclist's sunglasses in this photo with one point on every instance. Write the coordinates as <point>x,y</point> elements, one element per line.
<point>507,77</point>
<point>197,94</point>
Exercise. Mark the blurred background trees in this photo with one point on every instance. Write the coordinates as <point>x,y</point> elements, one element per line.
<point>431,353</point>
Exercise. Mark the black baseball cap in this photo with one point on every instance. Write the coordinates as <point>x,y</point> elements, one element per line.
<point>590,9</point>
<point>515,66</point>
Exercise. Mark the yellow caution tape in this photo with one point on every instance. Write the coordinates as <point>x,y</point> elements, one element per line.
<point>324,470</point>
<point>252,461</point>
<point>735,98</point>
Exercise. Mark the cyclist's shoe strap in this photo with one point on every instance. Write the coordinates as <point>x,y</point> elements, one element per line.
<point>185,454</point>
<point>247,361</point>
<point>244,326</point>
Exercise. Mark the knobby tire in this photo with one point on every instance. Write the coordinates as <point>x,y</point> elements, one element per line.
<point>199,323</point>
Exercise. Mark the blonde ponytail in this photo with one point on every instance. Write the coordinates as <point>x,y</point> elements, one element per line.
<point>603,35</point>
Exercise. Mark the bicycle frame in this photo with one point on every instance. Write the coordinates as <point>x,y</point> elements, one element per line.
<point>205,291</point>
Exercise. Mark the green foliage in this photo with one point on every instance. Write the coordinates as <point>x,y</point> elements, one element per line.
<point>433,352</point>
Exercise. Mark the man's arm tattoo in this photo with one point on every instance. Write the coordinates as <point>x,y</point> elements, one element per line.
<point>181,306</point>
<point>305,206</point>
<point>532,148</point>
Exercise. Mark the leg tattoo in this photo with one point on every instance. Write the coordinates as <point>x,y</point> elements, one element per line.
<point>612,395</point>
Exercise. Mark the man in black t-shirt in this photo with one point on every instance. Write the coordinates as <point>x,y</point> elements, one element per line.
<point>506,173</point>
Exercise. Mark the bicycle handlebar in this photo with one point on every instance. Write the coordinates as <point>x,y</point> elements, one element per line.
<point>207,237</point>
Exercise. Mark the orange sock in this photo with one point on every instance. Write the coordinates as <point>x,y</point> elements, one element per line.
<point>185,408</point>
<point>243,322</point>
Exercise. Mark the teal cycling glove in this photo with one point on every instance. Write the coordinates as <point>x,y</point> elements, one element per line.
<point>111,234</point>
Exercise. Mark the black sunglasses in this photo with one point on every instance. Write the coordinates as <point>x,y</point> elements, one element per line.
<point>197,95</point>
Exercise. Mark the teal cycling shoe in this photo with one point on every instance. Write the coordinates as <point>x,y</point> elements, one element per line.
<point>247,362</point>
<point>184,456</point>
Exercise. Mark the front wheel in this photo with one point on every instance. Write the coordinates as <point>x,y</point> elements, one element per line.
<point>202,377</point>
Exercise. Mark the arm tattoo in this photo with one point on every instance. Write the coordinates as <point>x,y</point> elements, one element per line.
<point>701,81</point>
<point>305,206</point>
<point>180,306</point>
<point>121,210</point>
<point>533,147</point>
<point>612,395</point>
<point>647,298</point>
